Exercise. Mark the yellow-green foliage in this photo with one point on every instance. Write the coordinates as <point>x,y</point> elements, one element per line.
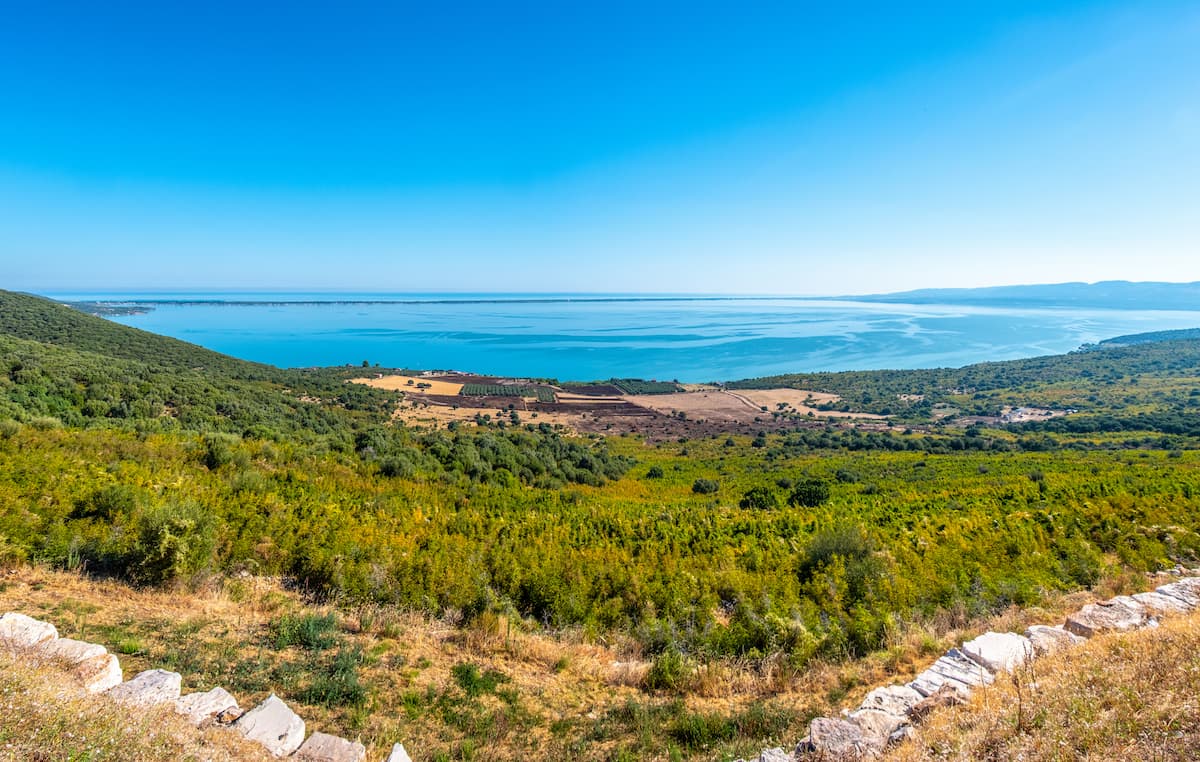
<point>902,535</point>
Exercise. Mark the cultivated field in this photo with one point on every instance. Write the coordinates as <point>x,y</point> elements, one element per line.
<point>409,384</point>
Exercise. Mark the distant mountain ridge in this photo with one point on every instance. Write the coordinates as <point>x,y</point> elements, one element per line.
<point>1150,295</point>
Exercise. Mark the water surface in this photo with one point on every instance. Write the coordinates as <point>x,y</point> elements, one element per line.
<point>572,337</point>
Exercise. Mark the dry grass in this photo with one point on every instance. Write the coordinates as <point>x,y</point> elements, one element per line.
<point>43,718</point>
<point>562,695</point>
<point>409,384</point>
<point>1133,696</point>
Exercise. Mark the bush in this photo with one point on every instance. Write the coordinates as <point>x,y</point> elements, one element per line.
<point>655,472</point>
<point>313,632</point>
<point>809,493</point>
<point>668,672</point>
<point>219,449</point>
<point>175,541</point>
<point>704,486</point>
<point>337,685</point>
<point>759,498</point>
<point>473,682</point>
<point>9,428</point>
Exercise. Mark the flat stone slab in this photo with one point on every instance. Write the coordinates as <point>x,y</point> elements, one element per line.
<point>19,631</point>
<point>1047,639</point>
<point>154,686</point>
<point>839,739</point>
<point>929,682</point>
<point>1161,604</point>
<point>273,725</point>
<point>943,697</point>
<point>955,664</point>
<point>203,707</point>
<point>322,747</point>
<point>398,754</point>
<point>73,651</point>
<point>998,651</point>
<point>894,699</point>
<point>1183,593</point>
<point>1107,616</point>
<point>881,725</point>
<point>99,673</point>
<point>777,754</point>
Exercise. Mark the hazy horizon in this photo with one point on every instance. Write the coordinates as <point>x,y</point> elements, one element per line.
<point>785,149</point>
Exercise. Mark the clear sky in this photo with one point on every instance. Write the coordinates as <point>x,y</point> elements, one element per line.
<point>790,147</point>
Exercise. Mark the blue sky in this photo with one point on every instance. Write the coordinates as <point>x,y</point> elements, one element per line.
<point>690,147</point>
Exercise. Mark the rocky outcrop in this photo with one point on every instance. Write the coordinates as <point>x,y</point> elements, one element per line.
<point>274,725</point>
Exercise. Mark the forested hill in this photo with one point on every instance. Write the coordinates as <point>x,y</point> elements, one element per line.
<point>78,370</point>
<point>1151,337</point>
<point>24,316</point>
<point>1150,376</point>
<point>1105,294</point>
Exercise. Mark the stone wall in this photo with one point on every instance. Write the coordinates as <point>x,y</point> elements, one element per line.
<point>272,723</point>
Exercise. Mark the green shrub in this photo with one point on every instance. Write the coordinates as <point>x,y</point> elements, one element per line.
<point>473,682</point>
<point>669,671</point>
<point>704,486</point>
<point>809,493</point>
<point>696,730</point>
<point>175,541</point>
<point>759,498</point>
<point>337,685</point>
<point>9,428</point>
<point>655,472</point>
<point>314,632</point>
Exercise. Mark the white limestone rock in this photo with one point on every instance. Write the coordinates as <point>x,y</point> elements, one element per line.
<point>834,738</point>
<point>149,688</point>
<point>1160,604</point>
<point>1183,593</point>
<point>18,631</point>
<point>954,664</point>
<point>1108,616</point>
<point>273,725</point>
<point>929,682</point>
<point>72,651</point>
<point>894,699</point>
<point>201,708</point>
<point>398,754</point>
<point>998,651</point>
<point>322,747</point>
<point>776,754</point>
<point>877,723</point>
<point>1047,639</point>
<point>99,673</point>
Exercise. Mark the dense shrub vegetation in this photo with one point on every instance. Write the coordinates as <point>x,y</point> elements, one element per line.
<point>133,455</point>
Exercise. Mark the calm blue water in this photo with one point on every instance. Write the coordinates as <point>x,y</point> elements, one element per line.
<point>689,339</point>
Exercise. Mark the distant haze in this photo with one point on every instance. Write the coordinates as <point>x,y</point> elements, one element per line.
<point>780,148</point>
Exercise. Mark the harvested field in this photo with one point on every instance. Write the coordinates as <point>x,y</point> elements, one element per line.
<point>409,384</point>
<point>801,401</point>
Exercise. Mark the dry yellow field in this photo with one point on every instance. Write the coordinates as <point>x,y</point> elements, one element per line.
<point>800,400</point>
<point>409,384</point>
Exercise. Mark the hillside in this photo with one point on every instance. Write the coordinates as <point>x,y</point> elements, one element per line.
<point>602,596</point>
<point>1117,294</point>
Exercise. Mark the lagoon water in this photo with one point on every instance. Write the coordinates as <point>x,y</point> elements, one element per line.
<point>574,337</point>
